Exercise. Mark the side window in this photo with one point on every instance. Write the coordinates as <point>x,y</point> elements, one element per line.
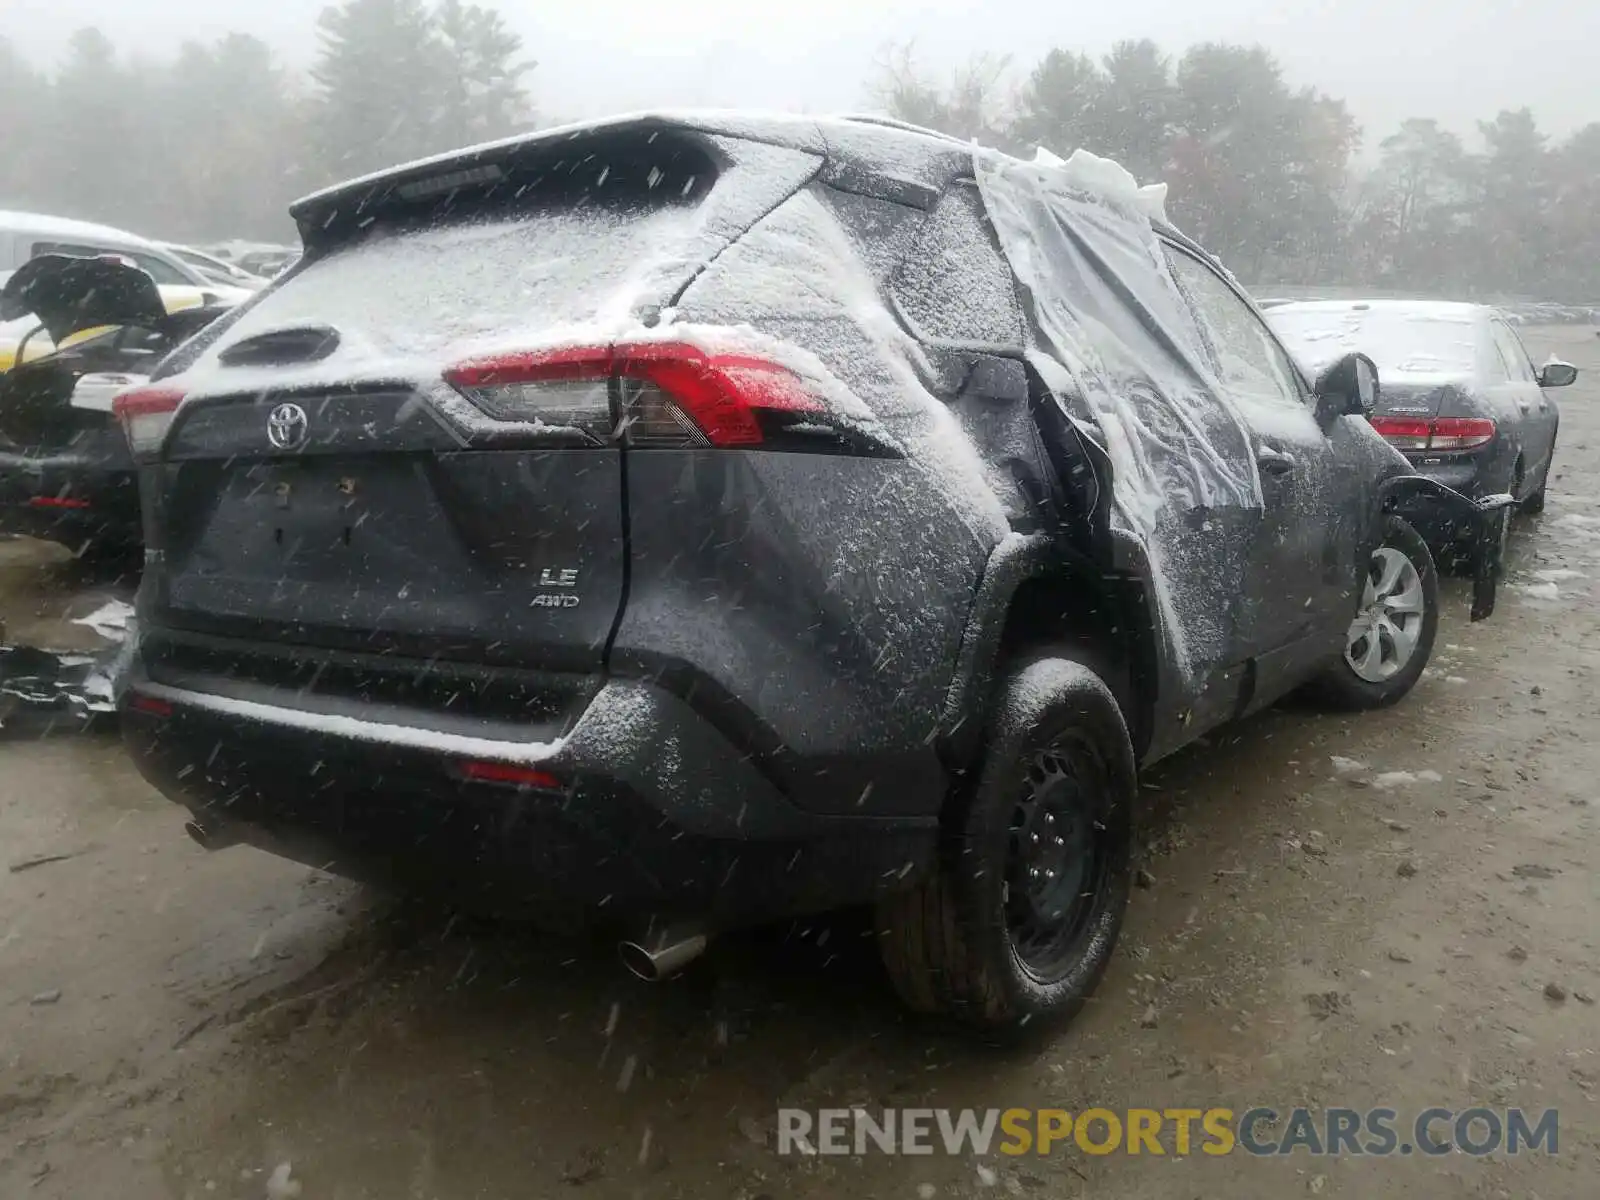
<point>160,270</point>
<point>1510,347</point>
<point>955,285</point>
<point>70,249</point>
<point>1499,363</point>
<point>1252,362</point>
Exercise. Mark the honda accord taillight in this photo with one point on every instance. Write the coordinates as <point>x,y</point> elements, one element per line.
<point>1461,433</point>
<point>145,414</point>
<point>668,393</point>
<point>1442,433</point>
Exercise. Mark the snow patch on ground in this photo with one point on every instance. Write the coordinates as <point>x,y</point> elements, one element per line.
<point>1346,766</point>
<point>1394,779</point>
<point>1539,591</point>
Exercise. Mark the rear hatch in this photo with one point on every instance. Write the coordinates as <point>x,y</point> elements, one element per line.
<point>344,472</point>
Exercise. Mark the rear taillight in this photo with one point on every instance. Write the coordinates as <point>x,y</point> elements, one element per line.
<point>1404,433</point>
<point>480,771</point>
<point>149,705</point>
<point>145,414</point>
<point>562,388</point>
<point>725,397</point>
<point>668,393</point>
<point>1461,433</point>
<point>1441,433</point>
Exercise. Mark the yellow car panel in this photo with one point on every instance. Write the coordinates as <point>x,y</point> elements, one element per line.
<point>174,297</point>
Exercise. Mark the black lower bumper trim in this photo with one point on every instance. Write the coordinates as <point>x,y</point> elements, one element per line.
<point>655,814</point>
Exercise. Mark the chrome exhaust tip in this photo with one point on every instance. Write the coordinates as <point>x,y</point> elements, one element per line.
<point>664,955</point>
<point>210,837</point>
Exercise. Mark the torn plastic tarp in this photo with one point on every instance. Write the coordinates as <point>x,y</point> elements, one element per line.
<point>43,690</point>
<point>1110,336</point>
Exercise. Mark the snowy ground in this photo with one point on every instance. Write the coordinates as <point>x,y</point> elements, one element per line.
<point>180,1024</point>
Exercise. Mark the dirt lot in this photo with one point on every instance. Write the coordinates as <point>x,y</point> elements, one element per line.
<point>178,1024</point>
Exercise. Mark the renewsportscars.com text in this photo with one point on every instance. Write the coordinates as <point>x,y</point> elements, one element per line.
<point>1161,1131</point>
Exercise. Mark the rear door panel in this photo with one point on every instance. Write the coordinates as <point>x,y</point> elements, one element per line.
<point>1536,413</point>
<point>1297,590</point>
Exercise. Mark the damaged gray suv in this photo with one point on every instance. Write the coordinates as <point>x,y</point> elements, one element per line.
<point>676,523</point>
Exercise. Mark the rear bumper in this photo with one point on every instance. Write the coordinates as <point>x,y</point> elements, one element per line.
<point>68,499</point>
<point>651,812</point>
<point>1443,515</point>
<point>1475,475</point>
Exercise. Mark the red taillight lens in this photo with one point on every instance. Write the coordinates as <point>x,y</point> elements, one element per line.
<point>1404,433</point>
<point>672,394</point>
<point>57,502</point>
<point>145,414</point>
<point>567,388</point>
<point>1442,433</point>
<point>149,705</point>
<point>498,772</point>
<point>723,395</point>
<point>1461,433</point>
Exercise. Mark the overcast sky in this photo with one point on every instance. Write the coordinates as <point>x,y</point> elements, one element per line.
<point>1457,60</point>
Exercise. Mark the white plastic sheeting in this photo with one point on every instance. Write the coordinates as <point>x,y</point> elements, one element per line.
<point>1111,337</point>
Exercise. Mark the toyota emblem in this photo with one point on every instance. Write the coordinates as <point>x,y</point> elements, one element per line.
<point>287,426</point>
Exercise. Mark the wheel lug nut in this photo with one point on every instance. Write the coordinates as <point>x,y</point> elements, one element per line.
<point>1049,818</point>
<point>1033,872</point>
<point>1035,839</point>
<point>1061,841</point>
<point>1049,874</point>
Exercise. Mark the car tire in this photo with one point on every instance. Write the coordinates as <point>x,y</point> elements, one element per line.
<point>1018,923</point>
<point>1392,613</point>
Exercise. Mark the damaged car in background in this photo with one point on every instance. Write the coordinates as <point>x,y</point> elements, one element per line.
<point>676,523</point>
<point>1461,398</point>
<point>66,474</point>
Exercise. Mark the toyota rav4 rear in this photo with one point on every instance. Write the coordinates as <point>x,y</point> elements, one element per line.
<point>676,523</point>
<point>466,567</point>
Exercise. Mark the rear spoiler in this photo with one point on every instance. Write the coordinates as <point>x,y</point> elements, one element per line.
<point>657,149</point>
<point>1486,518</point>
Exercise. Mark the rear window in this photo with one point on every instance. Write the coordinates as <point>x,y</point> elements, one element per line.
<point>428,267</point>
<point>1401,341</point>
<point>405,292</point>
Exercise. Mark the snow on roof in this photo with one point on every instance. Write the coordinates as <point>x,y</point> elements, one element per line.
<point>65,227</point>
<point>1412,341</point>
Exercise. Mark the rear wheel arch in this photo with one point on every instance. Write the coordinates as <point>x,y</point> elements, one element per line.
<point>1037,601</point>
